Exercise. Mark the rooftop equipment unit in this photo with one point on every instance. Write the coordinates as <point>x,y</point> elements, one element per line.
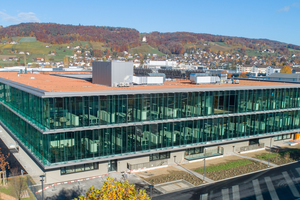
<point>202,78</point>
<point>112,73</point>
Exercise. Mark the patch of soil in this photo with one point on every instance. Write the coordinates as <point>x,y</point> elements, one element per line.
<point>218,175</point>
<point>173,176</point>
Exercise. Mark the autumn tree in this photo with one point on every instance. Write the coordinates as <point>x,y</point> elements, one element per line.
<point>113,189</point>
<point>3,165</point>
<point>224,72</point>
<point>286,69</point>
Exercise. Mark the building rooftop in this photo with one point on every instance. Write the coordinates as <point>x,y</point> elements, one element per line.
<point>47,83</point>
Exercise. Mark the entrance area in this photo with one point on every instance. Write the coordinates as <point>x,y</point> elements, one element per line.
<point>112,165</point>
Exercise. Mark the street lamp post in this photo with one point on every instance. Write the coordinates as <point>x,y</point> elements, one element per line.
<point>204,166</point>
<point>270,151</point>
<point>42,180</point>
<point>151,190</point>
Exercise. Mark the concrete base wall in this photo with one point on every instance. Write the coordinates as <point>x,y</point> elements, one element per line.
<point>266,141</point>
<point>54,176</point>
<point>177,157</point>
<point>228,148</point>
<point>122,164</point>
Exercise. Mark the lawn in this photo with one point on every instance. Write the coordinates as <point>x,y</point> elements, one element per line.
<point>9,189</point>
<point>27,39</point>
<point>145,48</point>
<point>224,166</point>
<point>99,45</point>
<point>222,44</point>
<point>231,169</point>
<point>281,157</point>
<point>293,49</point>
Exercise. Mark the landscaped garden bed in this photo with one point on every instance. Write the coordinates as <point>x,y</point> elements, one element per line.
<point>281,156</point>
<point>173,176</point>
<point>230,169</point>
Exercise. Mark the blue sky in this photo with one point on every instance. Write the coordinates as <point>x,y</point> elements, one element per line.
<point>272,19</point>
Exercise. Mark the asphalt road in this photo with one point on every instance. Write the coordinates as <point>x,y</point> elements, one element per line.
<point>277,183</point>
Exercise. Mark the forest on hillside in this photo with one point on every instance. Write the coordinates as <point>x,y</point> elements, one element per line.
<point>121,39</point>
<point>118,39</point>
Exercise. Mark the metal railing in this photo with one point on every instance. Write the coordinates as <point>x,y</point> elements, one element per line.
<point>252,147</point>
<point>33,187</point>
<point>155,163</point>
<point>209,153</point>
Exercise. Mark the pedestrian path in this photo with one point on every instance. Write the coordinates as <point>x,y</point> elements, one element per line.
<point>269,187</point>
<point>194,173</point>
<point>255,159</point>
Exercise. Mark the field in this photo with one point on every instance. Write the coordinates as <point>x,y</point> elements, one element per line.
<point>27,39</point>
<point>145,48</point>
<point>37,50</point>
<point>98,45</point>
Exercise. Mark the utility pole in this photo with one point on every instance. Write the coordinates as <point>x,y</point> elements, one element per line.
<point>42,180</point>
<point>25,64</point>
<point>269,151</point>
<point>204,166</point>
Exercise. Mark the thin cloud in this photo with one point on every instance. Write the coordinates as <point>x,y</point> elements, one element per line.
<point>21,17</point>
<point>29,17</point>
<point>287,8</point>
<point>7,18</point>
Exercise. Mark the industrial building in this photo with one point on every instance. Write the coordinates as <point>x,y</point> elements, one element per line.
<point>70,128</point>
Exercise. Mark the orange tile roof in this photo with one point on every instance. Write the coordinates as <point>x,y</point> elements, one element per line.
<point>52,83</point>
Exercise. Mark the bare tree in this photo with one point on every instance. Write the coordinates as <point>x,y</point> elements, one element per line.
<point>18,182</point>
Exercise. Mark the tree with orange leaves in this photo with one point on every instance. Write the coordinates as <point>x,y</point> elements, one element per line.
<point>286,69</point>
<point>113,189</point>
<point>3,164</point>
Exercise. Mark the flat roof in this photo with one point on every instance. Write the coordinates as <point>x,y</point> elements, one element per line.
<point>45,84</point>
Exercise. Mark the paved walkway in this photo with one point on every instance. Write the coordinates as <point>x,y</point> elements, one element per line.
<point>194,173</point>
<point>255,159</point>
<point>30,170</point>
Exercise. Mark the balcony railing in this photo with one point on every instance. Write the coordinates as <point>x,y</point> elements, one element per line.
<point>209,153</point>
<point>155,163</point>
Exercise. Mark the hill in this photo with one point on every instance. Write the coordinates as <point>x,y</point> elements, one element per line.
<point>118,39</point>
<point>34,36</point>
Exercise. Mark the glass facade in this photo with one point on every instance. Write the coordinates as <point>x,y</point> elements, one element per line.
<point>97,112</point>
<point>71,112</point>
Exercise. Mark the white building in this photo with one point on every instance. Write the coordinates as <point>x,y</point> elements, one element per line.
<point>158,64</point>
<point>144,39</point>
<point>272,69</point>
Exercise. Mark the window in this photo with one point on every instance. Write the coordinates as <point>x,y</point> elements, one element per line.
<point>282,137</point>
<point>78,168</point>
<point>159,156</point>
<point>253,141</point>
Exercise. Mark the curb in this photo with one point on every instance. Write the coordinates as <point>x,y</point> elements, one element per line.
<point>89,178</point>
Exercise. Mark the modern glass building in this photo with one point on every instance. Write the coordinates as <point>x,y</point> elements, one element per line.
<point>74,132</point>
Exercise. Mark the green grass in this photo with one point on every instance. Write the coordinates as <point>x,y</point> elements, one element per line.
<point>266,156</point>
<point>292,49</point>
<point>224,166</point>
<point>27,39</point>
<point>272,155</point>
<point>222,44</point>
<point>145,48</point>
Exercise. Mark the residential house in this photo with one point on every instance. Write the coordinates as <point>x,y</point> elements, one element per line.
<point>272,69</point>
<point>259,69</point>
